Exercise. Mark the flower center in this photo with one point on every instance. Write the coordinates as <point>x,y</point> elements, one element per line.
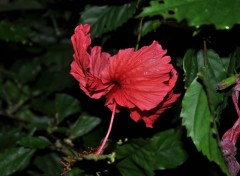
<point>116,83</point>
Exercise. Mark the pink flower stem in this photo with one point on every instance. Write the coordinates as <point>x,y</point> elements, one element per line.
<point>100,149</point>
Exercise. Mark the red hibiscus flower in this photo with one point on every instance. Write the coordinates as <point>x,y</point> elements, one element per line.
<point>88,63</point>
<point>140,80</point>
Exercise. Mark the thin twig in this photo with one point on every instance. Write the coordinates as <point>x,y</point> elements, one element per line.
<point>205,56</point>
<point>139,33</point>
<point>139,28</point>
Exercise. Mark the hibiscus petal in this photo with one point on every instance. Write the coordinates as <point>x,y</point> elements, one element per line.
<point>88,63</point>
<point>149,117</point>
<point>98,60</point>
<point>142,77</point>
<point>77,72</point>
<point>81,41</point>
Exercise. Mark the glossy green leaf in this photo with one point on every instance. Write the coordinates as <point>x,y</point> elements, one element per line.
<point>223,14</point>
<point>107,18</point>
<point>40,123</point>
<point>142,157</point>
<point>213,73</point>
<point>199,123</point>
<point>34,142</point>
<point>65,105</point>
<point>83,125</point>
<point>14,159</point>
<point>49,163</point>
<point>124,150</point>
<point>210,68</point>
<point>128,168</point>
<point>190,66</point>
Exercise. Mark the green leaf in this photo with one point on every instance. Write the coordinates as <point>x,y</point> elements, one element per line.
<point>60,130</point>
<point>198,121</point>
<point>135,144</point>
<point>83,125</point>
<point>55,70</point>
<point>77,171</point>
<point>150,26</point>
<point>14,159</point>
<point>9,138</point>
<point>62,80</point>
<point>14,33</point>
<point>129,168</point>
<point>234,63</point>
<point>190,66</point>
<point>142,157</point>
<point>26,71</point>
<point>55,52</point>
<point>213,73</point>
<point>210,68</point>
<point>41,123</point>
<point>26,115</point>
<point>49,164</point>
<point>34,142</point>
<point>59,81</point>
<point>107,18</point>
<point>19,5</point>
<point>92,138</point>
<point>10,92</point>
<point>197,12</point>
<point>44,105</point>
<point>65,105</point>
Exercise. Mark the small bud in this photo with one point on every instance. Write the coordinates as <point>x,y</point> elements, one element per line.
<point>227,82</point>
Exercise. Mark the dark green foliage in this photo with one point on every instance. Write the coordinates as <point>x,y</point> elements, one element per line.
<point>197,12</point>
<point>48,125</point>
<point>107,18</point>
<point>15,159</point>
<point>143,156</point>
<point>196,115</point>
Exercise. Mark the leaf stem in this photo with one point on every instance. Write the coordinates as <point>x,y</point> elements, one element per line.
<point>100,149</point>
<point>205,55</point>
<point>139,33</point>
